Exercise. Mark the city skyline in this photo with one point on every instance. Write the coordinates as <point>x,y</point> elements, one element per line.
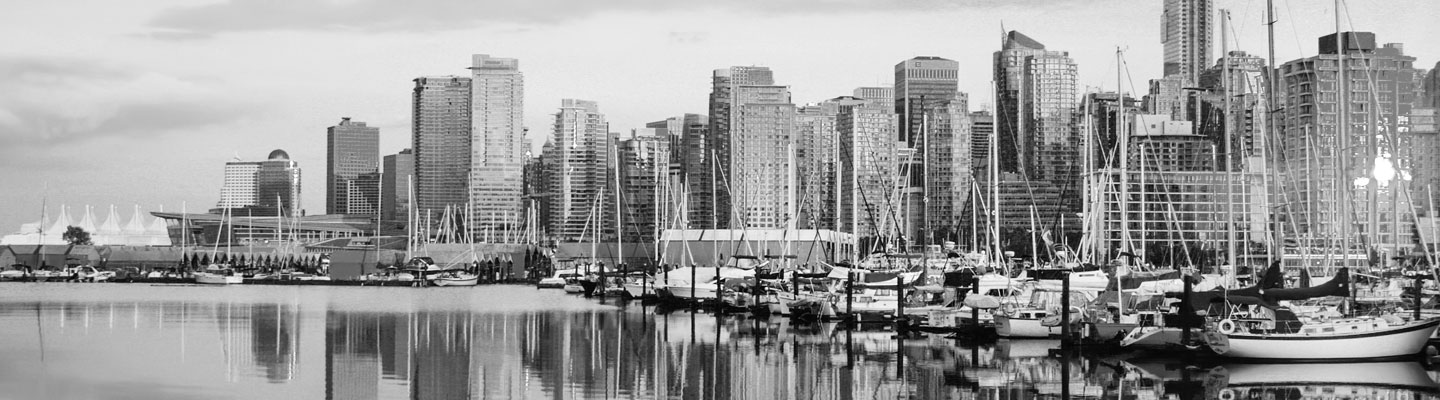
<point>173,126</point>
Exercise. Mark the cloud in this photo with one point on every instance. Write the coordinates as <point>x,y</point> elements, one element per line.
<point>55,101</point>
<point>429,15</point>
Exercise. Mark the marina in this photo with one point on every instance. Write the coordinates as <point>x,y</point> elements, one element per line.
<point>142,340</point>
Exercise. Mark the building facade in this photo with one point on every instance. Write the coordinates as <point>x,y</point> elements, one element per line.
<point>1321,126</point>
<point>868,162</point>
<point>646,206</point>
<point>949,170</point>
<point>581,190</point>
<point>440,140</point>
<point>352,184</point>
<point>262,188</point>
<point>708,191</point>
<point>498,144</point>
<point>395,184</point>
<point>1186,33</point>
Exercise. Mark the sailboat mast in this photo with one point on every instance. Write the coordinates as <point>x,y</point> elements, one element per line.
<point>1229,141</point>
<point>619,231</point>
<point>995,189</point>
<point>1124,139</point>
<point>1342,181</point>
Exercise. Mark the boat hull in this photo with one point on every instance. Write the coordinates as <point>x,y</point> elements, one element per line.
<point>1153,337</point>
<point>219,279</point>
<point>698,293</point>
<point>1393,342</point>
<point>551,283</point>
<point>640,291</point>
<point>1011,327</point>
<point>471,281</point>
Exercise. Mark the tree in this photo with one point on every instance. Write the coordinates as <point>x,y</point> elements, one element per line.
<point>76,236</point>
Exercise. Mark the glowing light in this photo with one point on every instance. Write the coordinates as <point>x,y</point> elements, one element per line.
<point>1384,170</point>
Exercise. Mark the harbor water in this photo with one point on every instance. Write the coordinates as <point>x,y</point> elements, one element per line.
<point>60,340</point>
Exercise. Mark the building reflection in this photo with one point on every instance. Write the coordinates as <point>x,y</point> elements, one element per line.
<point>637,352</point>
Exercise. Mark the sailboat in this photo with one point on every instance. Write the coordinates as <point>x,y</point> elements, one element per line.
<point>220,274</point>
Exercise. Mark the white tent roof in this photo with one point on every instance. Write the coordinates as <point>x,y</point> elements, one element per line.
<point>111,225</point>
<point>136,225</point>
<point>87,222</point>
<point>62,221</point>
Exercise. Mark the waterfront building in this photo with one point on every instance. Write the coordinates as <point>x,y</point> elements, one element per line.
<point>1101,111</point>
<point>440,139</point>
<point>762,182</point>
<point>395,185</point>
<point>816,157</point>
<point>1322,125</point>
<point>577,164</point>
<point>707,189</point>
<point>1024,204</point>
<point>1159,144</point>
<point>262,188</point>
<point>691,168</point>
<point>921,84</point>
<point>868,165</point>
<point>646,202</point>
<point>1247,119</point>
<point>498,145</point>
<point>352,176</point>
<point>1176,217</point>
<point>948,168</point>
<point>1422,154</point>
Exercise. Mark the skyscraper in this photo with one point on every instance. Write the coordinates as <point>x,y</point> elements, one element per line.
<point>395,185</point>
<point>762,179</point>
<point>1009,80</point>
<point>1186,31</point>
<point>709,192</point>
<point>441,142</point>
<point>982,127</point>
<point>816,156</point>
<point>884,96</point>
<point>262,188</point>
<point>868,160</point>
<point>1322,126</point>
<point>579,165</point>
<point>921,84</point>
<point>948,166</point>
<point>497,140</point>
<point>352,178</point>
<point>646,205</point>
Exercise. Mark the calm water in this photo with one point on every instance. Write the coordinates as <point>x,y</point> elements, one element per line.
<point>160,342</point>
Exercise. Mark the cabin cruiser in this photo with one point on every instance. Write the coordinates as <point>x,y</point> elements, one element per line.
<point>218,274</point>
<point>557,281</point>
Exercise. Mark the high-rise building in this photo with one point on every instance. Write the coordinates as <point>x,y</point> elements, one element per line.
<point>1167,96</point>
<point>262,188</point>
<point>352,179</point>
<point>395,185</point>
<point>646,203</point>
<point>580,182</point>
<point>1009,81</point>
<point>1431,88</point>
<point>1322,126</point>
<point>949,170</point>
<point>1186,32</point>
<point>884,96</point>
<point>982,127</point>
<point>921,84</point>
<point>708,192</point>
<point>816,156</point>
<point>1101,111</point>
<point>498,144</point>
<point>691,167</point>
<point>1049,145</point>
<point>868,163</point>
<point>1158,143</point>
<point>762,167</point>
<point>1247,96</point>
<point>440,133</point>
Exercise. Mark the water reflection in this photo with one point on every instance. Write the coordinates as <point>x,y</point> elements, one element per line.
<point>393,343</point>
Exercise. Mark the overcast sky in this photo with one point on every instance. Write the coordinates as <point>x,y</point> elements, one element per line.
<point>142,102</point>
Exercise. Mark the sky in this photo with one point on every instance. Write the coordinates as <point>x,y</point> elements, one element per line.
<point>141,103</point>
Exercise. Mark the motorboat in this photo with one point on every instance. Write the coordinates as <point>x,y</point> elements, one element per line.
<point>557,281</point>
<point>218,275</point>
<point>455,278</point>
